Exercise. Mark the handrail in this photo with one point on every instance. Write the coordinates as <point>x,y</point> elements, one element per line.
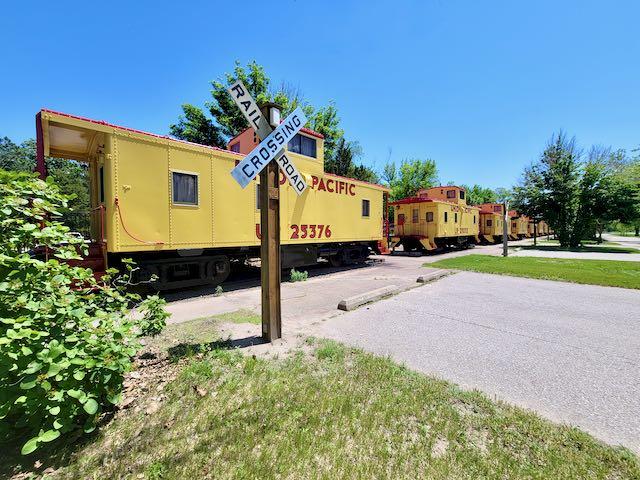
<point>100,207</point>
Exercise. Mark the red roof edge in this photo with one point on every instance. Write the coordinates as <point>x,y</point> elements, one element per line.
<point>133,130</point>
<point>427,199</point>
<point>313,133</point>
<point>444,186</point>
<point>411,200</point>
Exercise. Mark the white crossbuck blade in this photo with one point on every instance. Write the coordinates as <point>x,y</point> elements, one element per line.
<point>272,144</point>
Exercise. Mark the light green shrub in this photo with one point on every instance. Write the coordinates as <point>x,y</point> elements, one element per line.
<point>65,339</point>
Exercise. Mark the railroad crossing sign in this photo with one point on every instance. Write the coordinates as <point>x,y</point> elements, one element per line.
<point>272,142</point>
<point>265,160</point>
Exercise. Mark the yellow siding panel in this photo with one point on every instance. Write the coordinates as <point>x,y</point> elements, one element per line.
<point>142,189</point>
<point>233,207</point>
<point>191,225</point>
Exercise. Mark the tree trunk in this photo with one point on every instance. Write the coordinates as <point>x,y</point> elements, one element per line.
<point>599,229</point>
<point>637,230</point>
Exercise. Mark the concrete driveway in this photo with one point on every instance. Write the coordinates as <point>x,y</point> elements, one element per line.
<point>570,352</point>
<point>625,241</point>
<point>305,302</point>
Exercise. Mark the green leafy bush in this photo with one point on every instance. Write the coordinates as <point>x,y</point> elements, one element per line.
<point>297,276</point>
<point>66,340</point>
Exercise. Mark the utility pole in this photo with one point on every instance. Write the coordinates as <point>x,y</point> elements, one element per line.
<point>505,230</point>
<point>270,271</point>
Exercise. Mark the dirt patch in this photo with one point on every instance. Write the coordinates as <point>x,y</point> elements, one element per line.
<point>440,447</point>
<point>479,439</point>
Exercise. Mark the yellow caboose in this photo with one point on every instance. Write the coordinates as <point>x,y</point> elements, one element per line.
<point>519,225</point>
<point>435,218</point>
<point>491,221</point>
<point>543,228</point>
<point>174,208</point>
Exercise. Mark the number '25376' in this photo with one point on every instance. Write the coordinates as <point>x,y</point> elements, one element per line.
<point>310,231</point>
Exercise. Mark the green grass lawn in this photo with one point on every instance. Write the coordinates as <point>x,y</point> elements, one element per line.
<point>595,272</point>
<point>326,411</point>
<point>333,413</point>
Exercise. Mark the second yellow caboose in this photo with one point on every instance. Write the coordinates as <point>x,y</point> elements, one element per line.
<point>491,221</point>
<point>435,218</point>
<point>519,225</point>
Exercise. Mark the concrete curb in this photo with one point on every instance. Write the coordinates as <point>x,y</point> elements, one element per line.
<point>356,301</point>
<point>431,276</point>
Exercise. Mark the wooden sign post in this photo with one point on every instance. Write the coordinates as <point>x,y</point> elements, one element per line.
<point>506,225</point>
<point>270,269</point>
<point>267,159</point>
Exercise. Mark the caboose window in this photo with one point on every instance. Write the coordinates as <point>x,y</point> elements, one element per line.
<point>489,223</point>
<point>497,208</point>
<point>451,194</point>
<point>185,188</point>
<point>429,216</point>
<point>474,219</point>
<point>446,216</point>
<point>235,147</point>
<point>455,217</point>
<point>365,208</point>
<point>303,145</point>
<point>461,194</point>
<point>415,214</point>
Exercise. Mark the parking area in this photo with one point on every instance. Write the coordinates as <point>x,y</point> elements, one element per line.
<point>570,352</point>
<point>304,303</point>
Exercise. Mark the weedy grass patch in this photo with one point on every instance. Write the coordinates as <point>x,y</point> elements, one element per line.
<point>298,276</point>
<point>335,413</point>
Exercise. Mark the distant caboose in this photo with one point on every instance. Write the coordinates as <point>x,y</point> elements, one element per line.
<point>519,225</point>
<point>491,221</point>
<point>435,218</point>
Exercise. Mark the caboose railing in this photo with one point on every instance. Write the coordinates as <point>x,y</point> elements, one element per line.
<point>98,214</point>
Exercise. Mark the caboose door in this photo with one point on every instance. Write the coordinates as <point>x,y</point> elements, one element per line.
<point>401,222</point>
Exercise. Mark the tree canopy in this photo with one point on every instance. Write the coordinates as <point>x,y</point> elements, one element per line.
<point>411,176</point>
<point>224,120</point>
<point>478,194</point>
<point>578,194</point>
<point>71,177</point>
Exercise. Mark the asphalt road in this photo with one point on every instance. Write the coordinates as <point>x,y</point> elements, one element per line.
<point>317,298</point>
<point>570,352</point>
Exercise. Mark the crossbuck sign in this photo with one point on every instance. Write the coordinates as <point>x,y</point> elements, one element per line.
<point>272,141</point>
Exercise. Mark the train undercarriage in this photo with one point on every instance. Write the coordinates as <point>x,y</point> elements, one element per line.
<point>414,243</point>
<point>189,268</point>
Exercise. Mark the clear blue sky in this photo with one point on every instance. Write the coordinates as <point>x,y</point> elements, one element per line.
<point>479,86</point>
